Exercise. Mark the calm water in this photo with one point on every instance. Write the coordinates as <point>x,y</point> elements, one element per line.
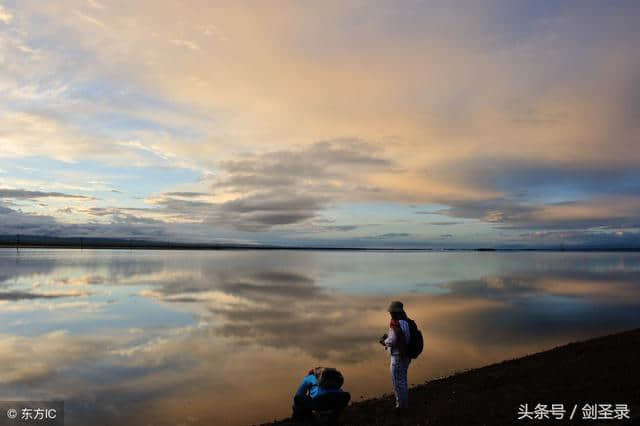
<point>178,337</point>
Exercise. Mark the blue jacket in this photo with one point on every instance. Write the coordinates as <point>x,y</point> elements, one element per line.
<point>310,384</point>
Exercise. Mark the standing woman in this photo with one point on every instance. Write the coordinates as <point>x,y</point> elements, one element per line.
<point>397,341</point>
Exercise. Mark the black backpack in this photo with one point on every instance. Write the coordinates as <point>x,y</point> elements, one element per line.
<point>416,343</point>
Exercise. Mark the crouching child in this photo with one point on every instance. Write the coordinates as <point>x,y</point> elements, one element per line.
<point>320,393</point>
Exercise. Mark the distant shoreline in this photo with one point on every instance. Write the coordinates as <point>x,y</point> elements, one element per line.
<point>208,247</point>
<point>39,241</point>
<point>602,370</point>
<point>179,247</point>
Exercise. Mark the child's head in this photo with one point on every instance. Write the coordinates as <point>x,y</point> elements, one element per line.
<point>330,378</point>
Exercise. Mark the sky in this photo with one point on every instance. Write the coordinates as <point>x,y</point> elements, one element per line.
<point>343,123</point>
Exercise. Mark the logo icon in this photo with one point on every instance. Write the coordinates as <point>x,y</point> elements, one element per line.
<point>12,413</point>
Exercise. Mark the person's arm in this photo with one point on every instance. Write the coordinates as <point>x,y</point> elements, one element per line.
<point>390,341</point>
<point>304,386</point>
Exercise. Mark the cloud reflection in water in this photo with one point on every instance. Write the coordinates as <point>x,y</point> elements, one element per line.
<point>196,336</point>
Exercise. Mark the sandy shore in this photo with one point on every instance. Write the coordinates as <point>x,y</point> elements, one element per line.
<point>603,370</point>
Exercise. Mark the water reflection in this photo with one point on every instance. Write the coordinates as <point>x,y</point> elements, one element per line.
<point>223,337</point>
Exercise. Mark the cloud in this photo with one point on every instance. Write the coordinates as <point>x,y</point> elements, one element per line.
<point>186,43</point>
<point>89,19</point>
<point>389,235</point>
<point>121,225</point>
<point>25,194</point>
<point>22,133</point>
<point>334,159</point>
<point>95,4</point>
<point>5,15</point>
<point>340,228</point>
<point>258,192</point>
<point>603,212</point>
<point>287,187</point>
<point>599,238</point>
<point>503,131</point>
<point>15,295</point>
<point>267,209</point>
<point>186,194</point>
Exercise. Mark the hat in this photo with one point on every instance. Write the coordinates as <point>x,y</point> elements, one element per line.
<point>396,307</point>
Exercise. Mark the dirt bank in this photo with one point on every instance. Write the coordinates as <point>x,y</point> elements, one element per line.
<point>604,370</point>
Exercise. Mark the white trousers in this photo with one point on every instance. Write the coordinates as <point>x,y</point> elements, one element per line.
<point>399,368</point>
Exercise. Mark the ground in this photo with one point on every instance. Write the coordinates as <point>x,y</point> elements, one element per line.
<point>603,370</point>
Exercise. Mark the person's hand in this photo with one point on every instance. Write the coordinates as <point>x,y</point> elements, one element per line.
<point>382,339</point>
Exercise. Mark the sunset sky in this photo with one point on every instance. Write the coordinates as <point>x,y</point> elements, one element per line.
<point>348,123</point>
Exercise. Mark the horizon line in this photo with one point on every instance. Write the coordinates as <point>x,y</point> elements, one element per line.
<point>18,241</point>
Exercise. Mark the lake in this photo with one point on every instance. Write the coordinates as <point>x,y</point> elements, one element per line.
<point>224,337</point>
